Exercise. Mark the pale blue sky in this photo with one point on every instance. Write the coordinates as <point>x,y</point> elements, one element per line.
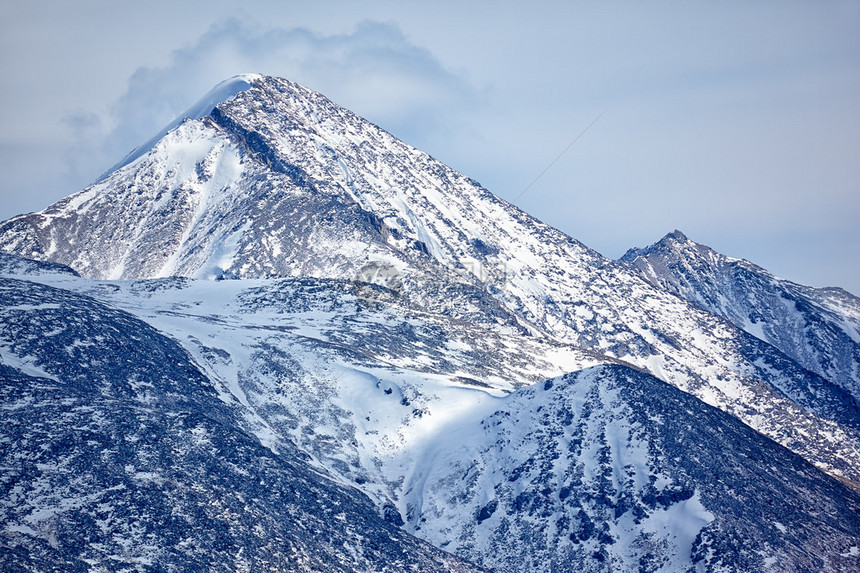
<point>736,122</point>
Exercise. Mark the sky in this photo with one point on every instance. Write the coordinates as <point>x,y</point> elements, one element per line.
<point>617,122</point>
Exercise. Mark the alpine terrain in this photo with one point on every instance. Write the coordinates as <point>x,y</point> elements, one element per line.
<point>819,328</point>
<point>275,337</point>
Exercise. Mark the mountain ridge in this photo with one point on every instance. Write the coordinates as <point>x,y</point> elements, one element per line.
<point>817,327</point>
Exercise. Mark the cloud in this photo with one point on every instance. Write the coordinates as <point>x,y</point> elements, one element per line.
<point>374,70</point>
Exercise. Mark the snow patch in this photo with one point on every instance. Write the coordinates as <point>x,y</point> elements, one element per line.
<point>681,523</point>
<point>781,527</point>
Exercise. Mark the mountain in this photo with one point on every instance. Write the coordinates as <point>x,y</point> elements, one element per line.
<point>819,328</point>
<point>610,469</point>
<point>118,454</point>
<point>279,181</point>
<point>388,308</point>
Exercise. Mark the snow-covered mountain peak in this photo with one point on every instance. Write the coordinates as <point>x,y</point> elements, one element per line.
<point>676,245</point>
<point>302,157</point>
<point>674,240</point>
<point>677,235</point>
<point>222,92</point>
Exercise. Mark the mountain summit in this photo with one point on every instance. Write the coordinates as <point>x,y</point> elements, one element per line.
<point>219,94</point>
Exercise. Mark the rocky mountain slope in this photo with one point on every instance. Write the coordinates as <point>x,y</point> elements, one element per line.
<point>611,469</point>
<point>280,181</point>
